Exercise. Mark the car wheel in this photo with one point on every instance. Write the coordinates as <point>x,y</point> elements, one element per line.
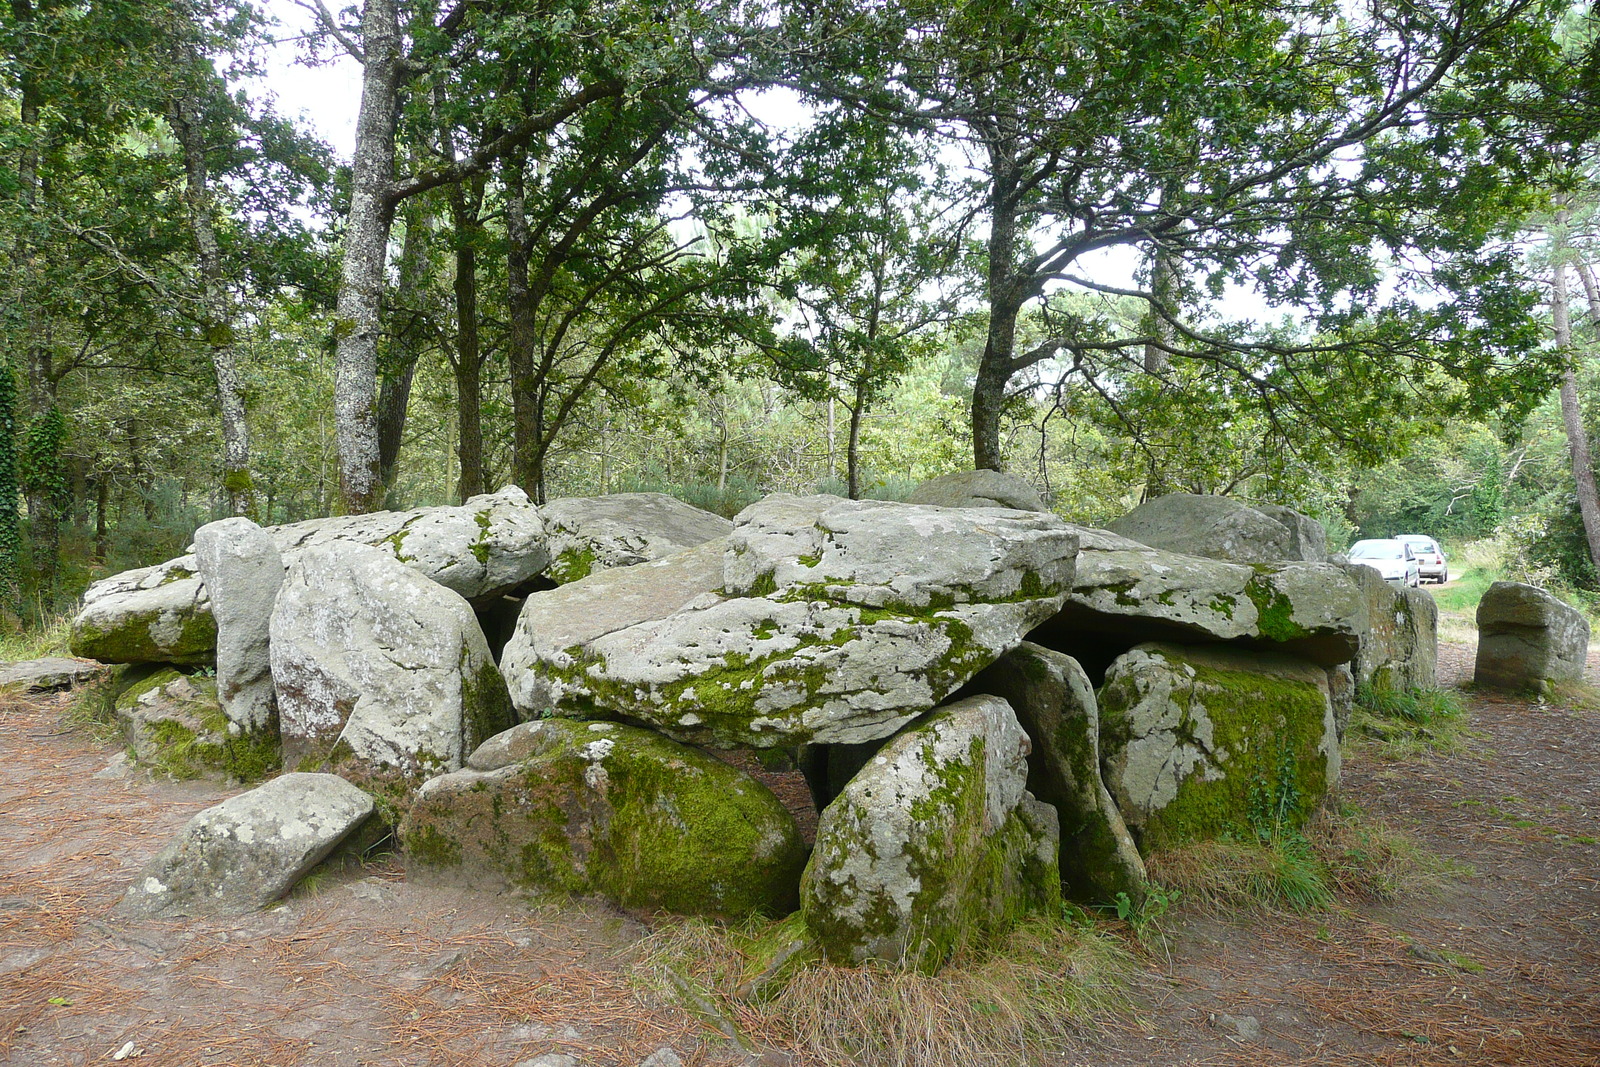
<point>1444,576</point>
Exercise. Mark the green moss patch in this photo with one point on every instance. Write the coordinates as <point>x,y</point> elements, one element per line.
<point>620,812</point>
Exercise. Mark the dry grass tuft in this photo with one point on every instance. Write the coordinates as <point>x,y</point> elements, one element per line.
<point>1339,856</point>
<point>1026,1000</point>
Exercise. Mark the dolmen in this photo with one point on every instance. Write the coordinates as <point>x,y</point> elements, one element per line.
<point>994,707</point>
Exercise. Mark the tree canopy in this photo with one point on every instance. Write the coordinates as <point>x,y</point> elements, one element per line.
<point>583,247</point>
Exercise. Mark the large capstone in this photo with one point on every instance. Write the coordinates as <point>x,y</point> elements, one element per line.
<point>242,570</point>
<point>488,546</point>
<point>617,811</point>
<point>376,664</point>
<point>832,621</point>
<point>978,489</point>
<point>159,614</point>
<point>1527,639</point>
<point>585,534</point>
<point>249,850</point>
<point>934,843</point>
<point>1056,706</point>
<point>1217,527</point>
<point>1199,742</point>
<point>1125,593</point>
<point>482,549</point>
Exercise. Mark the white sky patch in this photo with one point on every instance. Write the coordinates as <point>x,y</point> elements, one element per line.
<point>325,96</point>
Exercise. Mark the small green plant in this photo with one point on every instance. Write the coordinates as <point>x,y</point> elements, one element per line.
<point>1142,916</point>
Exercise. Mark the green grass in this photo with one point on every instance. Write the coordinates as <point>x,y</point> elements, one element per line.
<point>1464,592</point>
<point>1404,723</point>
<point>36,642</point>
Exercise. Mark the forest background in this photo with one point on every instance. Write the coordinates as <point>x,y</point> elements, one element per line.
<point>575,250</point>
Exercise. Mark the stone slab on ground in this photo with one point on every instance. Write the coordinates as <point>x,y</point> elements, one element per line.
<point>250,850</point>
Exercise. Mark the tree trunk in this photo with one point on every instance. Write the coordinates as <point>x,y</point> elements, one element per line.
<point>216,315</point>
<point>469,361</point>
<point>366,241</point>
<point>394,392</point>
<point>1572,416</point>
<point>858,411</point>
<point>521,340</point>
<point>1006,294</point>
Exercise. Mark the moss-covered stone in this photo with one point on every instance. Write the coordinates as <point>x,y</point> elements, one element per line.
<point>1204,742</point>
<point>933,845</point>
<point>613,810</point>
<point>184,633</point>
<point>1055,705</point>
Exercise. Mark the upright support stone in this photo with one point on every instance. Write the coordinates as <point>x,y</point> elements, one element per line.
<point>1056,705</point>
<point>242,569</point>
<point>1527,639</point>
<point>935,842</point>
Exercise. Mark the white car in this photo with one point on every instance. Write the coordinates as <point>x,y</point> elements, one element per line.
<point>1430,557</point>
<point>1390,557</point>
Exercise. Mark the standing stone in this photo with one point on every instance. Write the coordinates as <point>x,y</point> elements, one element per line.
<point>1400,648</point>
<point>1199,742</point>
<point>249,850</point>
<point>598,807</point>
<point>934,843</point>
<point>376,664</point>
<point>978,489</point>
<point>1528,639</point>
<point>242,570</point>
<point>1056,706</point>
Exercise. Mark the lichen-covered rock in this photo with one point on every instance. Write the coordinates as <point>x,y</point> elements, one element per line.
<point>1200,742</point>
<point>1129,592</point>
<point>162,614</point>
<point>602,808</point>
<point>978,489</point>
<point>593,533</point>
<point>1341,695</point>
<point>249,850</point>
<point>834,622</point>
<point>1219,528</point>
<point>52,672</point>
<point>1528,639</point>
<point>1308,540</point>
<point>1400,648</point>
<point>1056,707</point>
<point>935,842</point>
<point>375,664</point>
<point>242,571</point>
<point>159,614</point>
<point>175,726</point>
<point>481,549</point>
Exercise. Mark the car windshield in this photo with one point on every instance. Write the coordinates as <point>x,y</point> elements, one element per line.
<point>1378,550</point>
<point>1421,544</point>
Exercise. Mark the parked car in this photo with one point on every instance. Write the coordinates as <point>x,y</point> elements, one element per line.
<point>1390,557</point>
<point>1430,557</point>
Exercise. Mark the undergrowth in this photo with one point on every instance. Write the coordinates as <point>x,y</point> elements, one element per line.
<point>1404,723</point>
<point>1339,857</point>
<point>1021,1001</point>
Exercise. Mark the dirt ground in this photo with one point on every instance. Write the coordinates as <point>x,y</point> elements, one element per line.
<point>1502,967</point>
